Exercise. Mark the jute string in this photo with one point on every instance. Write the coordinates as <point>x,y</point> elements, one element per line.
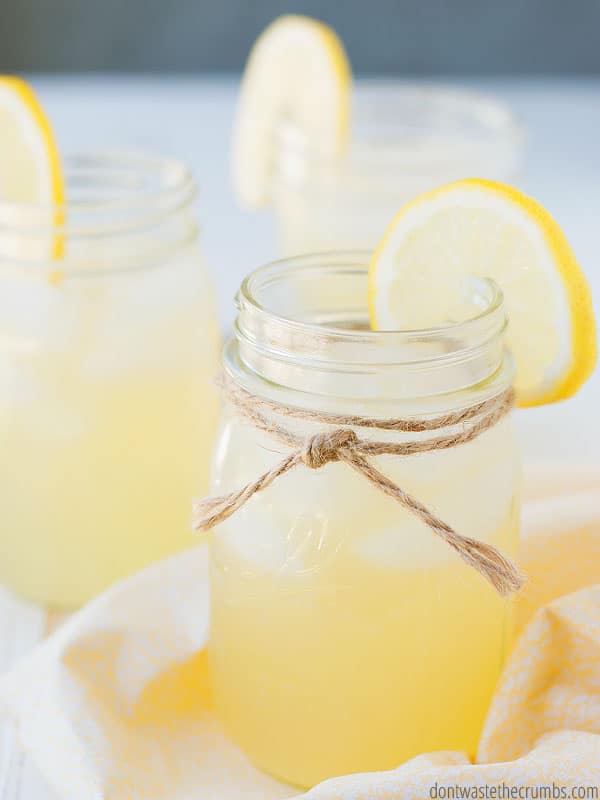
<point>343,444</point>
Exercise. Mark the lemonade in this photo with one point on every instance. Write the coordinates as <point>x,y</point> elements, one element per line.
<point>109,343</point>
<point>344,635</point>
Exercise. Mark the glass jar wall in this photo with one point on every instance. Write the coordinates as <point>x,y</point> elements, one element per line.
<point>109,342</point>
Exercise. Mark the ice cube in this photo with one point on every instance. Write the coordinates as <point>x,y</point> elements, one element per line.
<point>258,544</point>
<point>408,545</point>
<point>265,540</point>
<point>157,317</point>
<point>36,316</point>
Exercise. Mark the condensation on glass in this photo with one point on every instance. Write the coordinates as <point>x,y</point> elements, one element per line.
<point>344,636</point>
<point>403,140</point>
<point>108,343</point>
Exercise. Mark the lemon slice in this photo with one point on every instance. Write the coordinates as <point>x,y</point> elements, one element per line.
<point>29,163</point>
<point>482,228</point>
<point>297,70</point>
<point>31,183</point>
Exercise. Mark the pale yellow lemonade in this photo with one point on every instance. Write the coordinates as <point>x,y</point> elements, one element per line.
<point>344,635</point>
<point>108,348</point>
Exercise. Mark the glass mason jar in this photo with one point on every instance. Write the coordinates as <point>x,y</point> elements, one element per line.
<point>108,344</point>
<point>344,635</point>
<point>403,140</point>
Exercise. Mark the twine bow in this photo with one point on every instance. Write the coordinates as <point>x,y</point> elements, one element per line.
<point>343,444</point>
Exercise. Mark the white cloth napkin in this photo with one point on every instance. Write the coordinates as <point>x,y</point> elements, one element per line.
<point>22,626</point>
<point>116,703</point>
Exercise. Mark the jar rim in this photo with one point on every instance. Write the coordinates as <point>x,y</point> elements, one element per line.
<point>302,324</point>
<point>412,127</point>
<point>265,275</point>
<point>107,193</point>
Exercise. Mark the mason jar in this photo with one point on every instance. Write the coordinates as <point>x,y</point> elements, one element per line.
<point>404,139</point>
<point>344,635</point>
<point>108,346</point>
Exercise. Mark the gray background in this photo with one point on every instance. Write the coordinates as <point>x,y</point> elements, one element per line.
<point>426,37</point>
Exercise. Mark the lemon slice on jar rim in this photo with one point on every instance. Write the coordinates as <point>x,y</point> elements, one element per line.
<point>481,228</point>
<point>31,182</point>
<point>297,70</point>
<point>30,169</point>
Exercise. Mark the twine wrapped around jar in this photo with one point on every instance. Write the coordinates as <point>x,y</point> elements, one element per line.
<point>342,443</point>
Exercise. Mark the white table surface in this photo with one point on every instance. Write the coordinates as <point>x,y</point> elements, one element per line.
<point>191,117</point>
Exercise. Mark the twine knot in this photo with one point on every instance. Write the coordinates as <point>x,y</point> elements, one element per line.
<point>324,447</point>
